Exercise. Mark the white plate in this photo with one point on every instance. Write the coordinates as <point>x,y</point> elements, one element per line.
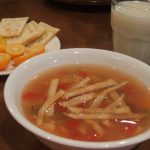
<point>53,45</point>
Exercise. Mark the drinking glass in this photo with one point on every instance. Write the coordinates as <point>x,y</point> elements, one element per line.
<point>130,21</point>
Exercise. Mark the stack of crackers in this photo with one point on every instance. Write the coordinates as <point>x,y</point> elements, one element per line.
<point>17,30</point>
<point>21,39</point>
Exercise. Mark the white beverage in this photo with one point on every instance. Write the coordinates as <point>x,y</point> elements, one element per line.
<point>131,29</point>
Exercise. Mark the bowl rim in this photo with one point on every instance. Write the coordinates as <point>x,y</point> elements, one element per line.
<point>61,140</point>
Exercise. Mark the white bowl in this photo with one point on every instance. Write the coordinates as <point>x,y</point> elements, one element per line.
<point>19,77</point>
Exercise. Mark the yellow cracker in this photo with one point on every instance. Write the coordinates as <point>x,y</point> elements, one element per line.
<point>50,32</point>
<point>11,27</point>
<point>31,32</point>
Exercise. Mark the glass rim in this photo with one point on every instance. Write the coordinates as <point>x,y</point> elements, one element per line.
<point>118,3</point>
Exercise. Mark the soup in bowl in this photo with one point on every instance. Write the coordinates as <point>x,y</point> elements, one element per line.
<point>82,99</point>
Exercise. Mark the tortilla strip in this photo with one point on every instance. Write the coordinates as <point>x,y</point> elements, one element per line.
<point>51,92</point>
<point>97,127</point>
<point>53,87</point>
<point>102,116</point>
<point>102,95</point>
<point>47,104</point>
<point>114,95</point>
<point>50,111</point>
<point>115,110</point>
<point>78,100</point>
<point>89,88</point>
<point>119,103</point>
<point>80,83</point>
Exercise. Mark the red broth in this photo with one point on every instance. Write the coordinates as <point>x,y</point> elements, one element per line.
<point>136,96</point>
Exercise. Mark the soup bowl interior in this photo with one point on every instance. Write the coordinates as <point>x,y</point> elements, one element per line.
<point>24,72</point>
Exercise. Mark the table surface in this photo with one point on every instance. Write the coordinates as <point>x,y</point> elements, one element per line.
<point>81,26</point>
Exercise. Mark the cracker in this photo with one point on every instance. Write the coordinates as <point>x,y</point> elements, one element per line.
<point>31,32</point>
<point>50,32</point>
<point>40,29</point>
<point>11,27</point>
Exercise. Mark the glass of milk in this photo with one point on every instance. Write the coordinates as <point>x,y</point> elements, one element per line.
<point>130,21</point>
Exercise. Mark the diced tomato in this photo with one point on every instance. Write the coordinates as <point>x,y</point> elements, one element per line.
<point>77,136</point>
<point>83,74</point>
<point>59,108</point>
<point>105,103</point>
<point>127,89</point>
<point>144,102</point>
<point>128,129</point>
<point>72,124</point>
<point>84,104</point>
<point>64,86</point>
<point>32,96</point>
